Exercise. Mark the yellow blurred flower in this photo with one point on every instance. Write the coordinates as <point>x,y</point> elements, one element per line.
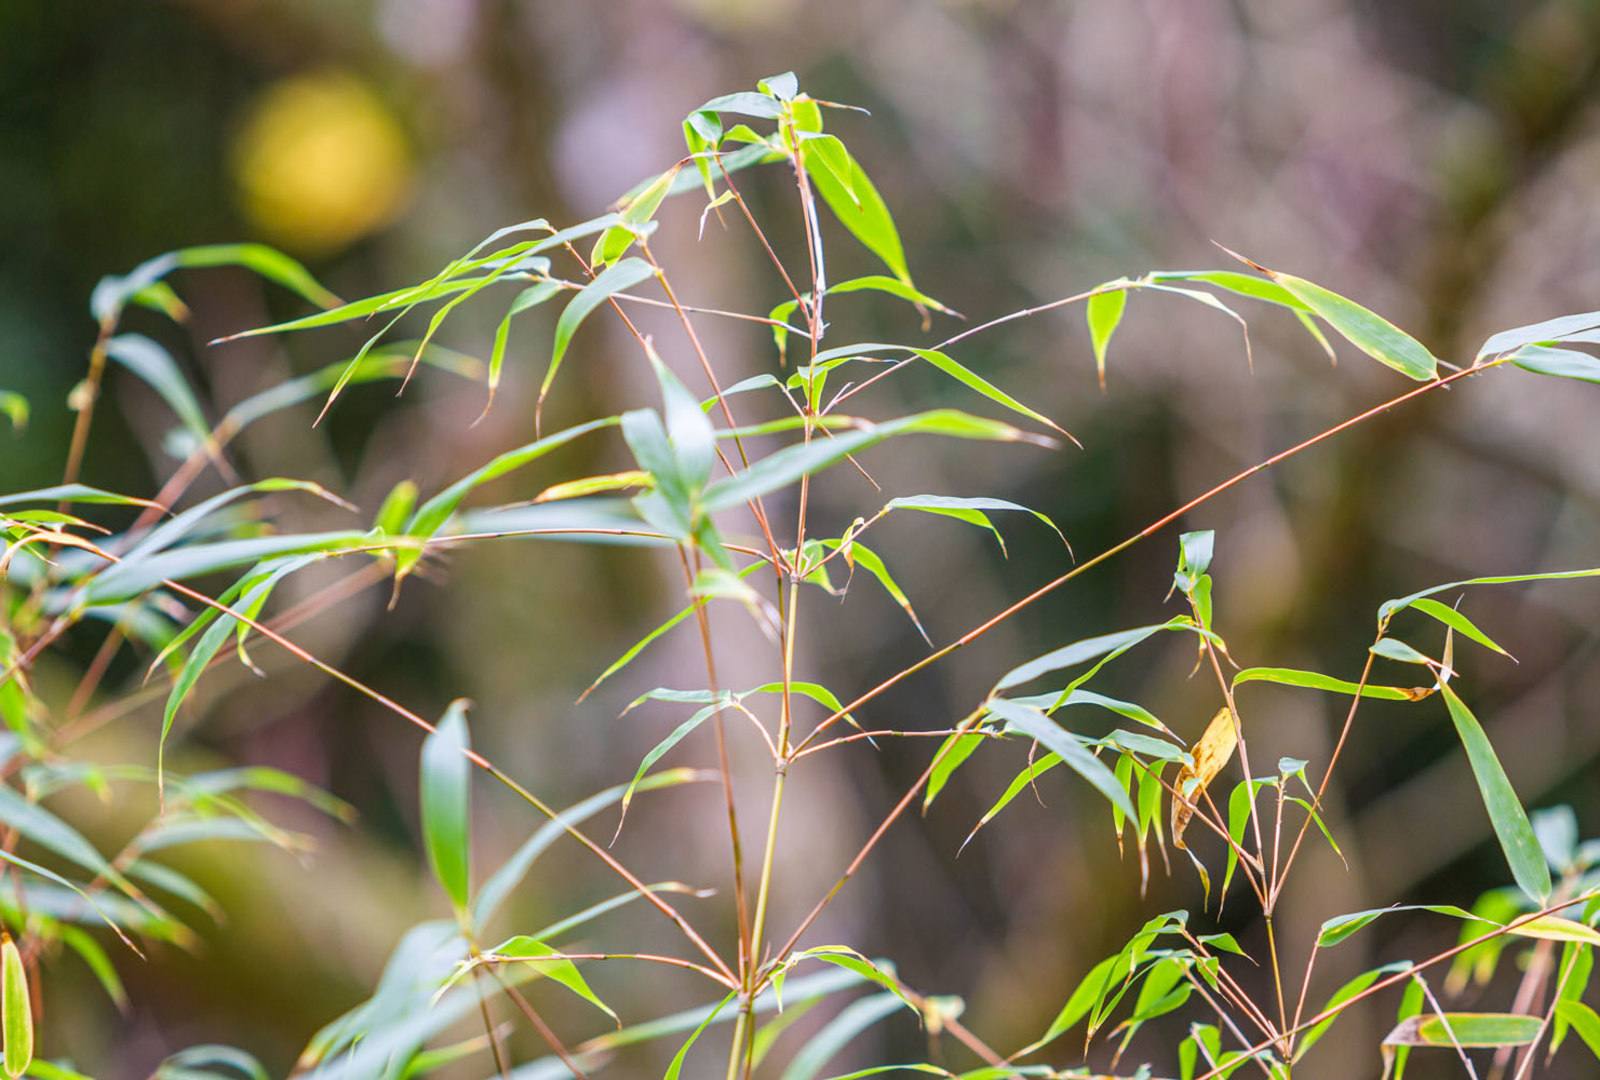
<point>320,162</point>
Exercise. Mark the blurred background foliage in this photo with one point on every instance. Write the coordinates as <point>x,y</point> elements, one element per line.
<point>1437,161</point>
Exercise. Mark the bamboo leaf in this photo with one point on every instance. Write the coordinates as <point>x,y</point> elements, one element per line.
<point>155,366</point>
<point>447,803</point>
<point>610,281</point>
<point>552,965</point>
<point>784,467</point>
<point>16,1013</point>
<point>1104,314</point>
<point>1312,680</point>
<point>1036,725</point>
<point>1366,330</point>
<point>1510,822</point>
<point>859,207</point>
<point>1560,363</point>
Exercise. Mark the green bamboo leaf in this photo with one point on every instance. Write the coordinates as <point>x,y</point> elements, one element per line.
<point>679,733</point>
<point>155,366</point>
<point>1082,999</point>
<point>869,560</point>
<point>885,284</point>
<point>128,580</point>
<point>859,207</point>
<point>1470,1030</point>
<point>530,297</point>
<point>809,1061</point>
<point>432,515</point>
<point>1562,328</point>
<point>1560,363</point>
<point>410,297</point>
<point>16,1013</point>
<point>1021,783</point>
<point>1457,621</point>
<point>1340,927</point>
<point>447,803</point>
<point>970,510</point>
<point>1104,313</point>
<point>784,467</point>
<point>1036,725</point>
<point>1088,649</point>
<point>552,965</point>
<point>745,103</point>
<point>955,750</point>
<point>1238,283</point>
<point>1584,1020</point>
<point>628,657</point>
<point>1510,822</point>
<point>255,596</point>
<point>879,972</point>
<point>1394,649</point>
<point>676,1066</point>
<point>1366,330</point>
<point>1340,996</point>
<point>72,493</point>
<point>1390,607</point>
<point>610,281</point>
<point>268,262</point>
<point>1312,680</point>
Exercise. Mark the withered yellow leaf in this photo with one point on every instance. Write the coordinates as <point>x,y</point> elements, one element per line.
<point>1211,753</point>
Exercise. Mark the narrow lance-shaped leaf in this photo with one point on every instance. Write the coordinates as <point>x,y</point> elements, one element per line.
<point>1036,725</point>
<point>532,296</point>
<point>156,367</point>
<point>1510,822</point>
<point>784,467</point>
<point>16,1013</point>
<point>1366,330</point>
<point>610,281</point>
<point>858,206</point>
<point>447,803</point>
<point>1104,313</point>
<point>1558,363</point>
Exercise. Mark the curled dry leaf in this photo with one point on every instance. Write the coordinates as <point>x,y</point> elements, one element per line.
<point>1211,753</point>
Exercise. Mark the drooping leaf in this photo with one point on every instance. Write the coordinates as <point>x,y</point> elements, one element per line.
<point>970,510</point>
<point>552,965</point>
<point>1036,725</point>
<point>155,366</point>
<point>859,207</point>
<point>1510,821</point>
<point>1211,753</point>
<point>1104,314</point>
<point>16,1014</point>
<point>447,803</point>
<point>612,280</point>
<point>784,467</point>
<point>1366,330</point>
